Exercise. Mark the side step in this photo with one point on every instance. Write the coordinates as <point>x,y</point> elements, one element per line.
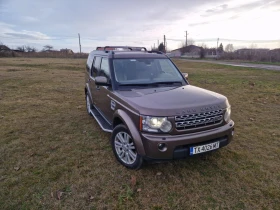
<point>101,121</point>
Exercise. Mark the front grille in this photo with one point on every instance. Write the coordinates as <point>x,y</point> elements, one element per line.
<point>198,120</point>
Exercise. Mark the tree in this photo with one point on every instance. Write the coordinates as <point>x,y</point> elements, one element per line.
<point>47,47</point>
<point>161,47</point>
<point>202,52</point>
<point>21,49</point>
<point>221,48</point>
<point>30,49</point>
<point>229,48</point>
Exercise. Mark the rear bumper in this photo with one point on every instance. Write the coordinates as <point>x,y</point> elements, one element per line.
<point>178,146</point>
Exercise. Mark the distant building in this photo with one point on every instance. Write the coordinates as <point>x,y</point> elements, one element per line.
<point>67,51</point>
<point>252,51</point>
<point>190,51</point>
<point>51,51</point>
<point>174,53</point>
<point>4,48</point>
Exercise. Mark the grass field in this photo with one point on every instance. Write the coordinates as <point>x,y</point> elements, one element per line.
<point>54,156</point>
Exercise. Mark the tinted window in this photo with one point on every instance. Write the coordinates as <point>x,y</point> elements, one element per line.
<point>93,71</point>
<point>89,62</point>
<point>95,66</point>
<point>104,69</point>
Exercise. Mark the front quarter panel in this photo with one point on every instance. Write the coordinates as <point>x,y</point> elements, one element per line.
<point>134,131</point>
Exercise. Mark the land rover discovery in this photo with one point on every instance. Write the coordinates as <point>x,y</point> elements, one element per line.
<point>150,108</point>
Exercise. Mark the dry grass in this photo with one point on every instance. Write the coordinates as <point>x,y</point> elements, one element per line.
<point>50,148</point>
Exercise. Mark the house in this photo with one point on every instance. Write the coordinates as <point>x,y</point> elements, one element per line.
<point>210,52</point>
<point>67,51</point>
<point>190,51</point>
<point>4,48</point>
<point>174,53</point>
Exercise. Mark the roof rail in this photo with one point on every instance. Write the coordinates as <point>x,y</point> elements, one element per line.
<point>109,48</point>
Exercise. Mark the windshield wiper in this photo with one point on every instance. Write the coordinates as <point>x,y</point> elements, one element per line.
<point>153,83</point>
<point>135,84</point>
<point>167,83</point>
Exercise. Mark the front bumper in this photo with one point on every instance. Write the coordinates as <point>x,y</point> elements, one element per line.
<point>178,145</point>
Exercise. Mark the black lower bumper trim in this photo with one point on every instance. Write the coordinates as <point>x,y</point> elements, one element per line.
<point>183,151</point>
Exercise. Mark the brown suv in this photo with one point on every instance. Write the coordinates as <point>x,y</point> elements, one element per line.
<point>150,108</point>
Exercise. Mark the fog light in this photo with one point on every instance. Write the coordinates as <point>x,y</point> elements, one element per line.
<point>162,147</point>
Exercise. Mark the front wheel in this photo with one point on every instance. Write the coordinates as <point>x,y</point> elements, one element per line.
<point>88,104</point>
<point>124,148</point>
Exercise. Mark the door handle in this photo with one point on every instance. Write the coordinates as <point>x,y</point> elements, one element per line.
<point>97,87</point>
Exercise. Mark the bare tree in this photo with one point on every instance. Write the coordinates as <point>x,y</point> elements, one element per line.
<point>203,45</point>
<point>21,49</point>
<point>229,48</point>
<point>191,41</point>
<point>47,47</point>
<point>30,49</point>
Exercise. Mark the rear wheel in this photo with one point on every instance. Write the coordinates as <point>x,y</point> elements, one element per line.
<point>124,148</point>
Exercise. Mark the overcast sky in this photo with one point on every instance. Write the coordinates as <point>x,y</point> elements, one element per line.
<point>139,23</point>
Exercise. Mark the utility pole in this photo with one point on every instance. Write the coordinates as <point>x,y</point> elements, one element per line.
<point>80,43</point>
<point>217,48</point>
<point>186,38</point>
<point>164,42</point>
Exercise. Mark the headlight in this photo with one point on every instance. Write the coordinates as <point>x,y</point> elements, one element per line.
<point>227,114</point>
<point>155,124</point>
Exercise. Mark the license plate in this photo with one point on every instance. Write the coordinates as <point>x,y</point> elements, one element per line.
<point>204,148</point>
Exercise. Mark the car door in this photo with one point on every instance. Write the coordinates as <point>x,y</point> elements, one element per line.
<point>104,102</point>
<point>94,72</point>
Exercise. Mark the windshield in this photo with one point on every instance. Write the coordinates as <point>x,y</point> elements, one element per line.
<point>145,71</point>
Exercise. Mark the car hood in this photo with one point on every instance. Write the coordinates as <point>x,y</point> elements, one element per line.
<point>171,101</point>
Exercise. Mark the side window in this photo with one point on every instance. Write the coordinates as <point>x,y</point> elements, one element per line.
<point>105,69</point>
<point>95,66</point>
<point>89,62</point>
<point>92,68</point>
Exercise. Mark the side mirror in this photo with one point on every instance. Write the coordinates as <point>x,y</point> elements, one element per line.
<point>101,81</point>
<point>186,75</point>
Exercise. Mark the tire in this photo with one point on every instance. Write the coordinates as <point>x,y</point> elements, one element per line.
<point>88,104</point>
<point>124,148</point>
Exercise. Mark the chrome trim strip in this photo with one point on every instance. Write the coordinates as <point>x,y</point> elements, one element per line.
<point>123,105</point>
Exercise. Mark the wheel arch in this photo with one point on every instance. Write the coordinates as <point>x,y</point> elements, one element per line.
<point>121,117</point>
